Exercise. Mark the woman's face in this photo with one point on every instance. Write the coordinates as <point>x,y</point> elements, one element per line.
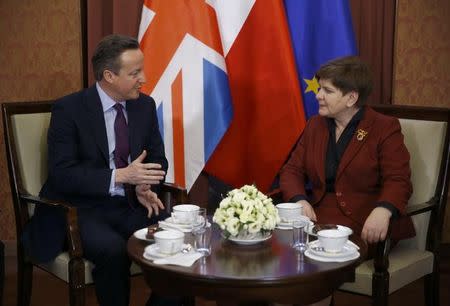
<point>332,103</point>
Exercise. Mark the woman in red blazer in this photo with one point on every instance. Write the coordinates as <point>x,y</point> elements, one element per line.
<point>353,159</point>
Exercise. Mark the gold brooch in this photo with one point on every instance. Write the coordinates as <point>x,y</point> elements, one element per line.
<point>360,134</point>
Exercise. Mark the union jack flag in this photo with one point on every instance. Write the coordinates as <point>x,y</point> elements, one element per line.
<point>223,76</point>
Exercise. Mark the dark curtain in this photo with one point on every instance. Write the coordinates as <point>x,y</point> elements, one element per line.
<point>373,22</point>
<point>374,25</point>
<point>104,17</point>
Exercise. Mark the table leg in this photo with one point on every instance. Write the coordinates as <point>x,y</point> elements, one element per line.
<point>162,300</point>
<point>188,301</point>
<point>221,303</point>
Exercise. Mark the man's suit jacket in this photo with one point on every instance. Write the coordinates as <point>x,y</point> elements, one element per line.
<point>78,161</point>
<point>374,168</point>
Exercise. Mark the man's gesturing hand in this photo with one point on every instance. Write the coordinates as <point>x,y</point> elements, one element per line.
<point>140,173</point>
<point>149,199</point>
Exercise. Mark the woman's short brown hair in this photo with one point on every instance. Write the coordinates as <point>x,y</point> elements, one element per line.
<point>347,74</point>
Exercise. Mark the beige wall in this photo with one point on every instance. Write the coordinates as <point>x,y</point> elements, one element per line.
<point>422,59</point>
<point>40,59</point>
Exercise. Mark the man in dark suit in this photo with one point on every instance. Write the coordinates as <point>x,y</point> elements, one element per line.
<point>106,157</point>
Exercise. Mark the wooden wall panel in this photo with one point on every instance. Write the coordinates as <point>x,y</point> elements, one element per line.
<point>40,59</point>
<point>422,53</point>
<point>422,59</point>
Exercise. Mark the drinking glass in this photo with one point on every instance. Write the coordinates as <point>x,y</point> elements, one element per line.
<point>202,233</point>
<point>202,218</point>
<point>299,235</point>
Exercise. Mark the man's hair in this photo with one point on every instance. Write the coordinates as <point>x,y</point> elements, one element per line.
<point>108,51</point>
<point>348,74</point>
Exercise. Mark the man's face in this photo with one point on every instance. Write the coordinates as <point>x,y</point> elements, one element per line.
<point>127,83</point>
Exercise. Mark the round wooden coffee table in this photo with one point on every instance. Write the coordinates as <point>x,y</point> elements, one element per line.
<point>270,271</point>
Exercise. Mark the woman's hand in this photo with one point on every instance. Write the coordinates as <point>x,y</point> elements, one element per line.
<point>308,210</point>
<point>376,226</point>
<point>149,199</point>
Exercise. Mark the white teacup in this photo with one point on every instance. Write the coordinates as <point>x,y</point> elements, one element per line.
<point>185,213</point>
<point>333,240</point>
<point>289,211</point>
<point>169,242</point>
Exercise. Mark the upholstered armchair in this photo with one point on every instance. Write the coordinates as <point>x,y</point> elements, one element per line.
<point>25,128</point>
<point>426,131</point>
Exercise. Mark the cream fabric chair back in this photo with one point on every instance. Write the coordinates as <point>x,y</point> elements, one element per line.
<point>426,133</point>
<point>30,133</point>
<point>425,142</point>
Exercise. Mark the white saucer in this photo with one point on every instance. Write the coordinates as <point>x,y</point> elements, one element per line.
<point>170,224</point>
<point>151,252</point>
<point>288,225</point>
<point>247,241</point>
<point>172,221</point>
<point>185,225</point>
<point>309,254</point>
<point>347,251</point>
<point>283,227</point>
<point>141,234</point>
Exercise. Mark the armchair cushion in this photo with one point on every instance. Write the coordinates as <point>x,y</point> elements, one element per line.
<point>405,265</point>
<point>25,128</point>
<point>30,132</point>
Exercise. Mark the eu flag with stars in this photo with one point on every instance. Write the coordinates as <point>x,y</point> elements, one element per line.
<point>321,30</point>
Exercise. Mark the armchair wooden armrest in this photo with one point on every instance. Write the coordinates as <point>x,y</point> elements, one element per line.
<point>415,209</point>
<point>73,234</point>
<point>171,194</point>
<point>381,261</point>
<point>43,201</point>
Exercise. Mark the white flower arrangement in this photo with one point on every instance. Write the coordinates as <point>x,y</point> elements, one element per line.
<point>246,212</point>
